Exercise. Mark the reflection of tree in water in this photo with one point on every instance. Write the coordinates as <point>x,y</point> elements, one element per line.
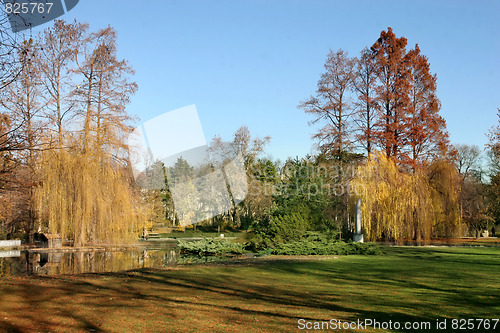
<point>14,266</point>
<point>97,262</point>
<point>5,267</point>
<point>58,263</point>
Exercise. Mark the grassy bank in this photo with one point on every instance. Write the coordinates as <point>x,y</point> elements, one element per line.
<point>405,285</point>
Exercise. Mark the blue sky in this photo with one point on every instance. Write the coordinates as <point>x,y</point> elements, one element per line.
<point>252,62</point>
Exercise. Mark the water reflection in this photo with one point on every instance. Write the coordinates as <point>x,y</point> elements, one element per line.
<point>19,263</point>
<point>10,254</point>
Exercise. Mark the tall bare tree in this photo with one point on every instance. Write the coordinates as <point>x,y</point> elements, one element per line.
<point>105,91</point>
<point>23,104</point>
<point>364,86</point>
<point>494,137</point>
<point>56,62</point>
<point>467,159</point>
<point>10,66</point>
<point>332,105</point>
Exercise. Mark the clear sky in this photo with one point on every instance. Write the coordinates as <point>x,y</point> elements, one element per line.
<point>252,62</point>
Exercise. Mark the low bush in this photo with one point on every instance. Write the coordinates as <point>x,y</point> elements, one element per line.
<point>286,227</point>
<point>211,247</point>
<point>312,243</point>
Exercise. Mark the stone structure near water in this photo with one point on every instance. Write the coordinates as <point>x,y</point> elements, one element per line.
<point>358,236</point>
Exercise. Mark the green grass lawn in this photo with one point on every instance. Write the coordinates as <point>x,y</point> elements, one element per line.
<point>405,285</point>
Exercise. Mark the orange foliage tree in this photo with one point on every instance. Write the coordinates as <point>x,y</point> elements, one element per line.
<point>386,99</point>
<point>409,127</point>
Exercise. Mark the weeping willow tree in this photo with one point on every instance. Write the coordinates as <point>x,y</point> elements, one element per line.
<point>86,200</point>
<point>84,191</point>
<point>398,205</point>
<point>445,182</point>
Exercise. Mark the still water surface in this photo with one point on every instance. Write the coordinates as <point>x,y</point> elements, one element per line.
<point>22,263</point>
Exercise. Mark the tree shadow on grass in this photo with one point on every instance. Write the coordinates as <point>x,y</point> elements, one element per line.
<point>9,328</point>
<point>309,302</point>
<point>277,293</point>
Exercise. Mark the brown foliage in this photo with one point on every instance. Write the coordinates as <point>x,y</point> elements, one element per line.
<point>70,178</point>
<point>392,91</point>
<point>386,99</point>
<point>426,133</point>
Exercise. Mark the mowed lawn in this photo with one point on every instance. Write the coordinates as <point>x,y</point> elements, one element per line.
<point>407,284</point>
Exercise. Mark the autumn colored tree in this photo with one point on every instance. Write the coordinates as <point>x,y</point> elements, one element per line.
<point>399,206</point>
<point>24,106</point>
<point>493,200</point>
<point>22,101</point>
<point>396,110</point>
<point>427,137</point>
<point>392,91</point>
<point>410,126</point>
<point>395,107</point>
<point>10,142</point>
<point>86,200</point>
<point>86,193</point>
<point>332,105</point>
<point>5,144</point>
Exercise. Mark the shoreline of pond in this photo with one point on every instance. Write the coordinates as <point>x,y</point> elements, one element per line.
<point>173,241</point>
<point>160,242</point>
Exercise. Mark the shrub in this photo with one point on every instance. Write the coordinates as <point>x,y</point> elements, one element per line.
<point>289,227</point>
<point>211,247</point>
<point>282,227</point>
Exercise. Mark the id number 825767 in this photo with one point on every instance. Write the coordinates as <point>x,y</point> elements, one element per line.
<point>28,7</point>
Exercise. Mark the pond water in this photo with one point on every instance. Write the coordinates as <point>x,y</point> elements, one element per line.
<point>22,263</point>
